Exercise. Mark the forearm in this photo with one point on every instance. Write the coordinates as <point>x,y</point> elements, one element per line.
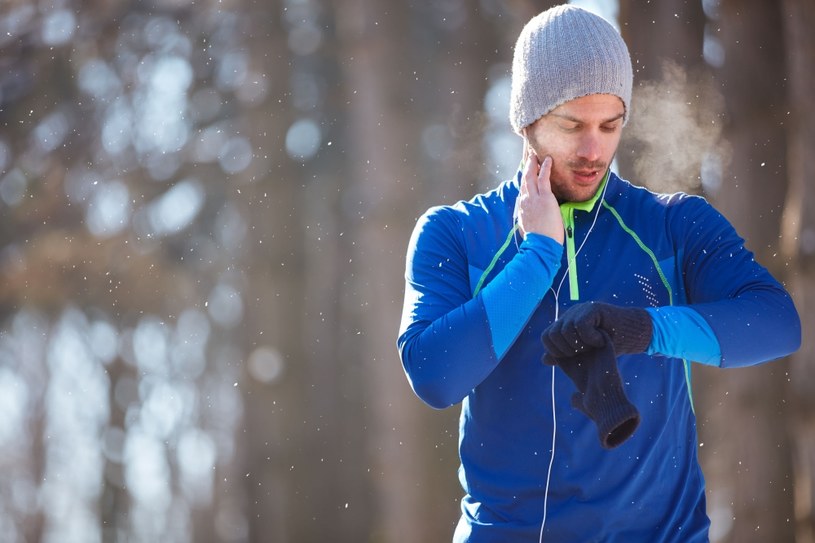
<point>522,284</point>
<point>757,326</point>
<point>754,327</point>
<point>681,332</point>
<point>448,355</point>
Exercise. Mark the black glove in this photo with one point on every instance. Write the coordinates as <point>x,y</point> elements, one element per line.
<point>581,326</point>
<point>600,394</point>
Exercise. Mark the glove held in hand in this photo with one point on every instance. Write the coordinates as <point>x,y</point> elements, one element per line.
<point>601,395</point>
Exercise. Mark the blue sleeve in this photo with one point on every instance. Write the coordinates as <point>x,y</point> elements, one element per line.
<point>681,332</point>
<point>510,302</point>
<point>750,313</point>
<point>449,340</point>
<point>760,325</point>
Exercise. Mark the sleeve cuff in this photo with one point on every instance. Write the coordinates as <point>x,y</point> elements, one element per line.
<point>681,332</point>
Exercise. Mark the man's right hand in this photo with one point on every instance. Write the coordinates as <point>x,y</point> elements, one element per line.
<point>539,211</point>
<point>589,325</point>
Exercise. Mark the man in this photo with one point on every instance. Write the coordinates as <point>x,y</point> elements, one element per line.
<point>616,289</point>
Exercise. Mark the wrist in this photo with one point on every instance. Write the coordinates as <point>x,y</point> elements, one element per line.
<point>632,330</point>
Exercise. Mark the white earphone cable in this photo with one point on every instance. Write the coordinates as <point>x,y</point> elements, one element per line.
<point>554,413</point>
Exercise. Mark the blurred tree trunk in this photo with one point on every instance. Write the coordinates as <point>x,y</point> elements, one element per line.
<point>269,485</point>
<point>745,411</point>
<point>668,31</point>
<point>377,75</point>
<point>798,246</point>
<point>340,497</point>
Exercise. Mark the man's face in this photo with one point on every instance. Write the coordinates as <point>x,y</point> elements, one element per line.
<point>581,136</point>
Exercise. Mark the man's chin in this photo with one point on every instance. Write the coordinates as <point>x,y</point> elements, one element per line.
<point>575,196</point>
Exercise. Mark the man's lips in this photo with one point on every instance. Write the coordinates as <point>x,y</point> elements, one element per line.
<point>586,176</point>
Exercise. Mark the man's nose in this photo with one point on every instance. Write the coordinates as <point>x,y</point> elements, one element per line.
<point>589,147</point>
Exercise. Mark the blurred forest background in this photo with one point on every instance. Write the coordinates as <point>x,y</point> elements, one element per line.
<point>204,211</point>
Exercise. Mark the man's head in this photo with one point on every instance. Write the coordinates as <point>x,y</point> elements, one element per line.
<point>571,94</point>
<point>565,53</point>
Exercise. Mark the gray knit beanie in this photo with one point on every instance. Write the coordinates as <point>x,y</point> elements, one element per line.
<point>565,53</point>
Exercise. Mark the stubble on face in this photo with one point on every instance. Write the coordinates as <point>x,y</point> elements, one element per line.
<point>565,191</point>
<point>567,185</point>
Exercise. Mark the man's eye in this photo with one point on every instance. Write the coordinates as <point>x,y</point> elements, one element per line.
<point>609,127</point>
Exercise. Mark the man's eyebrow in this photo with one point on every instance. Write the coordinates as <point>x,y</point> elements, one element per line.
<point>568,117</point>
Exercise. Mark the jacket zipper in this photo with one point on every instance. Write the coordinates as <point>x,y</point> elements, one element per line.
<point>568,222</point>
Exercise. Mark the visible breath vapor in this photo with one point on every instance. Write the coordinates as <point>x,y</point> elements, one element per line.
<point>675,133</point>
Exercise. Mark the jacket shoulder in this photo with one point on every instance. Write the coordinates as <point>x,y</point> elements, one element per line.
<point>622,188</point>
<point>480,214</point>
<point>642,204</point>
